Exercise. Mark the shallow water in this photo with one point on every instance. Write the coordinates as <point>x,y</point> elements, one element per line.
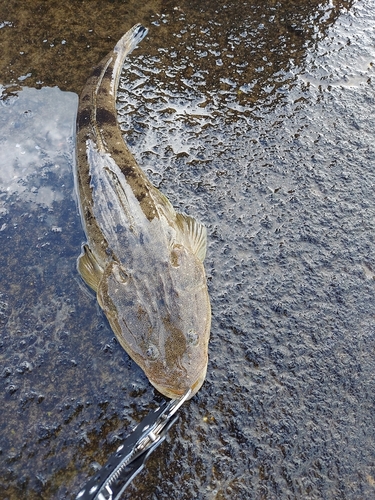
<point>257,120</point>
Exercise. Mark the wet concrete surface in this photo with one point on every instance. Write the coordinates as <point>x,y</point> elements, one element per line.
<point>257,119</point>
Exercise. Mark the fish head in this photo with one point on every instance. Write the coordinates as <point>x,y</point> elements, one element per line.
<point>161,316</point>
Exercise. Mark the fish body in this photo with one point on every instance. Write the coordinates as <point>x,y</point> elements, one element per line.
<point>142,258</point>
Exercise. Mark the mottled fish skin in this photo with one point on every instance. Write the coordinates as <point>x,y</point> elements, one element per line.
<point>143,259</point>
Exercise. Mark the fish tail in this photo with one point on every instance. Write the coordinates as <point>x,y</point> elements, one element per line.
<point>123,48</point>
<point>129,41</point>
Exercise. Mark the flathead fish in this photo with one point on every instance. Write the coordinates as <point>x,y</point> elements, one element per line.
<point>143,259</point>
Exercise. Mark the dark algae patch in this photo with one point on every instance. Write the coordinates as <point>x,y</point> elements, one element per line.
<point>254,117</point>
<point>59,43</point>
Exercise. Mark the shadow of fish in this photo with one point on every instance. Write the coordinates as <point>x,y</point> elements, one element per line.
<point>143,259</point>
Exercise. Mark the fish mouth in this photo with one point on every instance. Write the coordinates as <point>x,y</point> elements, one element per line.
<point>177,393</point>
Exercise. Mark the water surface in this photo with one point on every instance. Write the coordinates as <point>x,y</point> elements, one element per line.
<point>256,119</point>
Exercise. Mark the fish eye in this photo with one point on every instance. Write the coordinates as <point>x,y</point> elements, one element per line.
<point>121,275</point>
<point>152,352</point>
<point>175,256</point>
<point>192,337</point>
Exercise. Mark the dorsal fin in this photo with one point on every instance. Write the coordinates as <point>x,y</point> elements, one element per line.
<point>195,233</point>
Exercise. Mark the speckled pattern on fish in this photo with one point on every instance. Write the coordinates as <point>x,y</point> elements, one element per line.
<point>144,260</point>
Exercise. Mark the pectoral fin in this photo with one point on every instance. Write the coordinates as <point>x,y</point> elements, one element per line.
<point>163,205</point>
<point>89,268</point>
<point>195,233</point>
